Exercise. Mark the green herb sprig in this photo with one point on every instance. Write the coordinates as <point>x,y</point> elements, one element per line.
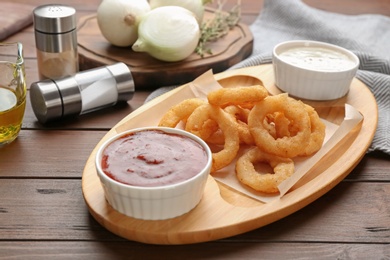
<point>217,27</point>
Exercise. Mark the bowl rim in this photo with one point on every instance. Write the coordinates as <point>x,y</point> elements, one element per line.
<point>311,43</point>
<point>153,188</point>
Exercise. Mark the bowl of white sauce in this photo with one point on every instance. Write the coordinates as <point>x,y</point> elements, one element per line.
<point>314,70</point>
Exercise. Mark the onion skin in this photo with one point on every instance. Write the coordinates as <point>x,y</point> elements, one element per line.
<point>168,33</point>
<point>195,6</point>
<point>118,20</point>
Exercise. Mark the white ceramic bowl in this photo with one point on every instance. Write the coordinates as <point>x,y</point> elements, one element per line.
<point>154,203</point>
<point>309,76</point>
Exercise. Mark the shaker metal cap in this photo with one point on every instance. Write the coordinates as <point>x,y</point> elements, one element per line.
<point>124,80</point>
<point>54,18</point>
<point>54,100</point>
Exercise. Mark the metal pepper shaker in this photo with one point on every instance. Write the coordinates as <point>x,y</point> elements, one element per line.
<point>56,41</point>
<point>84,92</point>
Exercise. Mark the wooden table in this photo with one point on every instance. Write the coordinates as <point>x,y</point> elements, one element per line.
<point>43,214</point>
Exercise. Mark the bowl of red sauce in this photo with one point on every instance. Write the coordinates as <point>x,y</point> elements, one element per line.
<point>153,173</point>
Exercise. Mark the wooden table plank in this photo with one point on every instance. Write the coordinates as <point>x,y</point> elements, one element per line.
<point>102,119</point>
<point>53,209</point>
<point>213,250</point>
<point>352,7</point>
<point>43,214</point>
<point>50,154</point>
<point>42,148</point>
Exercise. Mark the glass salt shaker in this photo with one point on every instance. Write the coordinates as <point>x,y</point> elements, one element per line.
<point>84,92</point>
<point>56,41</point>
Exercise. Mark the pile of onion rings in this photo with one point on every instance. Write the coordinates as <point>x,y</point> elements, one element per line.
<point>271,129</point>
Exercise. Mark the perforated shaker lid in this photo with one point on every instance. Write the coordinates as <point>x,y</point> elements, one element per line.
<point>54,18</point>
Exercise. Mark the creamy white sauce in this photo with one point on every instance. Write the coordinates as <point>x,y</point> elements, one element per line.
<point>316,58</point>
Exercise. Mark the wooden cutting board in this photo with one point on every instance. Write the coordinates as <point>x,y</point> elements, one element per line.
<point>224,212</point>
<point>149,73</point>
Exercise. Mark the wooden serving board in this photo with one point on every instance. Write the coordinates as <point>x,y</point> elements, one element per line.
<point>224,212</point>
<point>149,73</point>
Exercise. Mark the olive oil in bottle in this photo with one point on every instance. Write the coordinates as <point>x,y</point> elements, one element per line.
<point>12,109</point>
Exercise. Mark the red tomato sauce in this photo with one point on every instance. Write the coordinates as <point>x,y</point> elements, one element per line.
<point>153,158</point>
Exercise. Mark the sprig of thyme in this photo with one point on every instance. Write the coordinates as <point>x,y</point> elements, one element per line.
<point>217,27</point>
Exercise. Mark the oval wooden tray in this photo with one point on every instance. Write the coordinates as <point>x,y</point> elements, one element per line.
<point>224,212</point>
<point>149,73</point>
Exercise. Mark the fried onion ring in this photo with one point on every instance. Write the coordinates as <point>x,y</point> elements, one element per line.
<point>240,115</point>
<point>244,97</point>
<point>263,182</point>
<point>238,112</point>
<point>196,122</point>
<point>278,125</point>
<point>294,111</point>
<point>216,138</point>
<point>317,135</point>
<point>180,112</point>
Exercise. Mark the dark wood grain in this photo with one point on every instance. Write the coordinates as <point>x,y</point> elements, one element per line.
<point>43,214</point>
<point>352,7</point>
<point>100,120</point>
<point>213,250</point>
<point>53,209</point>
